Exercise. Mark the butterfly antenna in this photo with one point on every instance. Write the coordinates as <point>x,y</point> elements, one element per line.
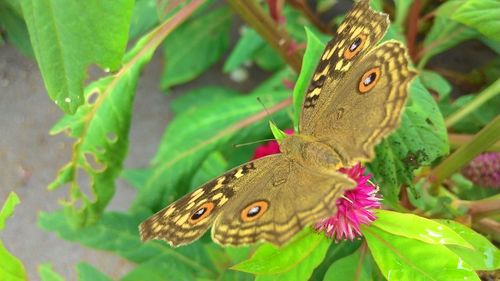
<point>267,111</point>
<point>249,143</point>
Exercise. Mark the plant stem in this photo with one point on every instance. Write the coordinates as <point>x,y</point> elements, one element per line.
<point>484,96</point>
<point>258,19</point>
<point>457,140</point>
<point>488,226</point>
<point>412,30</point>
<point>480,142</point>
<point>486,207</point>
<point>303,7</point>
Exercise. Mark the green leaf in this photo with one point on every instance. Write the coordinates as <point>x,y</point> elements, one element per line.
<point>311,57</point>
<point>67,37</point>
<point>357,266</point>
<point>195,98</point>
<point>268,58</point>
<point>445,32</point>
<point>46,273</point>
<point>401,11</point>
<point>11,267</point>
<point>400,258</point>
<point>213,166</point>
<point>420,139</point>
<point>8,208</point>
<point>434,81</point>
<point>144,17</point>
<point>476,119</point>
<point>418,228</point>
<point>193,135</point>
<point>12,23</point>
<point>481,15</point>
<point>87,272</point>
<point>100,128</point>
<point>278,134</point>
<point>335,252</point>
<point>249,42</point>
<point>195,46</point>
<point>295,261</point>
<point>136,177</point>
<point>483,256</point>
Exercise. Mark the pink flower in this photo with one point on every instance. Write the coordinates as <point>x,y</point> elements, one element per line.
<point>484,170</point>
<point>353,209</point>
<point>271,147</point>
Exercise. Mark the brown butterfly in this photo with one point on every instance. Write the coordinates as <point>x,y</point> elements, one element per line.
<point>354,100</point>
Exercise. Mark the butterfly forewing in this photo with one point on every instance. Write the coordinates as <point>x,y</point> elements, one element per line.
<point>189,217</point>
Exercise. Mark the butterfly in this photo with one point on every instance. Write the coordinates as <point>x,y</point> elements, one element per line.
<point>354,100</point>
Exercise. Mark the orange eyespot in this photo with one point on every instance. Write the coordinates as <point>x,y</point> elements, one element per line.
<point>254,211</point>
<point>369,80</point>
<point>202,212</point>
<point>355,47</point>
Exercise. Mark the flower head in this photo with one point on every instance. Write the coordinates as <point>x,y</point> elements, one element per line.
<point>484,170</point>
<point>354,208</point>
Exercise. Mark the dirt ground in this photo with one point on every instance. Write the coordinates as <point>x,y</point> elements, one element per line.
<point>30,158</point>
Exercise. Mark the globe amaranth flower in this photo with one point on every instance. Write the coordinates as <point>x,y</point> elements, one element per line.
<point>354,208</point>
<point>484,170</point>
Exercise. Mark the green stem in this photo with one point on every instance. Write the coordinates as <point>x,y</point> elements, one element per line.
<point>484,96</point>
<point>485,138</point>
<point>256,17</point>
<point>457,140</point>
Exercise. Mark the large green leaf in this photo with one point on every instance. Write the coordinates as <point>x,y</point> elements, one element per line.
<point>12,23</point>
<point>193,135</point>
<point>418,228</point>
<point>100,128</point>
<point>11,267</point>
<point>295,261</point>
<point>68,36</point>
<point>483,256</point>
<point>195,46</point>
<point>437,83</point>
<point>401,11</point>
<point>249,42</point>
<point>481,15</point>
<point>144,17</point>
<point>309,62</point>
<point>336,251</point>
<point>195,98</point>
<point>357,266</point>
<point>404,259</point>
<point>420,139</point>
